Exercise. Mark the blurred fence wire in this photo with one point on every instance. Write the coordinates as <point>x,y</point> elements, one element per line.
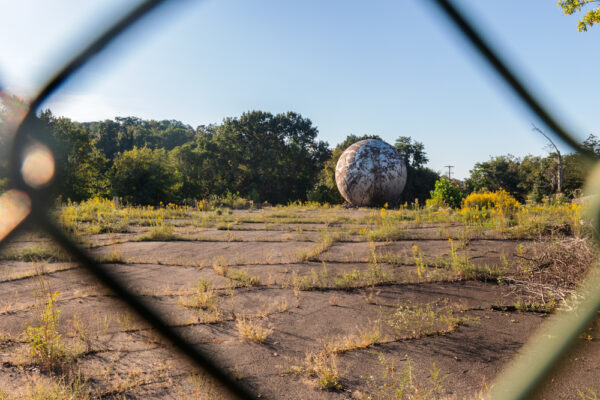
<point>28,202</point>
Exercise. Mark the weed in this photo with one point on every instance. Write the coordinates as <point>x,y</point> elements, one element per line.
<point>243,277</point>
<point>418,257</point>
<point>202,296</point>
<point>588,394</point>
<point>211,316</point>
<point>81,331</point>
<point>204,385</point>
<point>323,366</point>
<point>396,383</point>
<point>252,330</point>
<point>160,233</point>
<point>220,266</point>
<point>36,254</point>
<point>125,320</point>
<point>121,226</point>
<point>282,307</point>
<point>326,241</point>
<point>42,388</point>
<point>116,257</point>
<point>45,342</point>
<point>412,321</point>
<point>547,307</point>
<point>363,339</point>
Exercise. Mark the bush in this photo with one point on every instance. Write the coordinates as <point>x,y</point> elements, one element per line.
<point>445,193</point>
<point>500,200</point>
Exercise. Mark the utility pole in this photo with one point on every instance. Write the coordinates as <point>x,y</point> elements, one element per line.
<point>449,171</point>
<point>560,171</point>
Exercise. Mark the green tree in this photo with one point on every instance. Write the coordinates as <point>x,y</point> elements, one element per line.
<point>106,134</point>
<point>79,164</point>
<point>270,157</point>
<point>591,16</point>
<point>412,151</point>
<point>500,172</point>
<point>144,176</point>
<point>537,176</point>
<point>577,167</point>
<point>12,110</point>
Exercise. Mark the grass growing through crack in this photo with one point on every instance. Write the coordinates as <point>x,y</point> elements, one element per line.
<point>221,267</point>
<point>373,276</point>
<point>252,330</point>
<point>42,388</point>
<point>202,296</point>
<point>36,254</point>
<point>326,241</point>
<point>160,232</point>
<point>323,367</point>
<point>46,345</point>
<point>413,321</point>
<point>45,342</point>
<point>462,268</point>
<point>115,257</point>
<point>400,383</point>
<point>362,340</point>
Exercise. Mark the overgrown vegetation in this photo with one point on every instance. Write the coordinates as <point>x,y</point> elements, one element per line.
<point>396,382</point>
<point>252,330</point>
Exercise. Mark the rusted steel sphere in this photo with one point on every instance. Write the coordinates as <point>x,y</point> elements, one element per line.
<point>370,172</point>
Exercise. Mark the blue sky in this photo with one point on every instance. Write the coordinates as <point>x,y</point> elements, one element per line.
<point>392,68</point>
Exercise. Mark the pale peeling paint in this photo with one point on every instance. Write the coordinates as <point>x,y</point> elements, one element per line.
<point>370,172</point>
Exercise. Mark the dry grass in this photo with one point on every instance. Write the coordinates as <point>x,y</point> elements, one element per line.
<point>252,330</point>
<point>361,340</point>
<point>202,296</point>
<point>552,276</point>
<point>36,254</point>
<point>413,321</point>
<point>323,366</point>
<point>115,257</point>
<point>46,388</point>
<point>221,267</point>
<point>398,382</point>
<point>327,240</point>
<point>159,233</point>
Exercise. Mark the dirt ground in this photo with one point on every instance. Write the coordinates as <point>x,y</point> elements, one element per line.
<point>372,312</point>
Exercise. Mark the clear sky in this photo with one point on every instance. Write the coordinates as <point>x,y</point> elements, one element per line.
<point>392,68</point>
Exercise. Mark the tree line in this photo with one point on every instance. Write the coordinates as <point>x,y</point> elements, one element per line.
<point>260,156</point>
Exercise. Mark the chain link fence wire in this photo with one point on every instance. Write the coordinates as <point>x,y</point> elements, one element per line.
<point>543,353</point>
<point>28,202</point>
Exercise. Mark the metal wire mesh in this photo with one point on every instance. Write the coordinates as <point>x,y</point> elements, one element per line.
<point>520,380</point>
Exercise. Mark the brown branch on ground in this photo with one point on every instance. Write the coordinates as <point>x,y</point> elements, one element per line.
<point>555,274</point>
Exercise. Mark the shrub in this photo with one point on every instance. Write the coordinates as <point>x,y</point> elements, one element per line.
<point>45,342</point>
<point>500,201</point>
<point>445,193</point>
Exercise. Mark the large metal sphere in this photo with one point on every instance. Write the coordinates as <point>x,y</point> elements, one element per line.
<point>370,172</point>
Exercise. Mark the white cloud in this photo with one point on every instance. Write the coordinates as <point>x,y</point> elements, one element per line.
<point>82,107</point>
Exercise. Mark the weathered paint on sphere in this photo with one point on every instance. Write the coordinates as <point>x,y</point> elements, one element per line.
<point>370,172</point>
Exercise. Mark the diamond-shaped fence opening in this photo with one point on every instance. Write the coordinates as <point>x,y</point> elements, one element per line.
<point>28,202</point>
